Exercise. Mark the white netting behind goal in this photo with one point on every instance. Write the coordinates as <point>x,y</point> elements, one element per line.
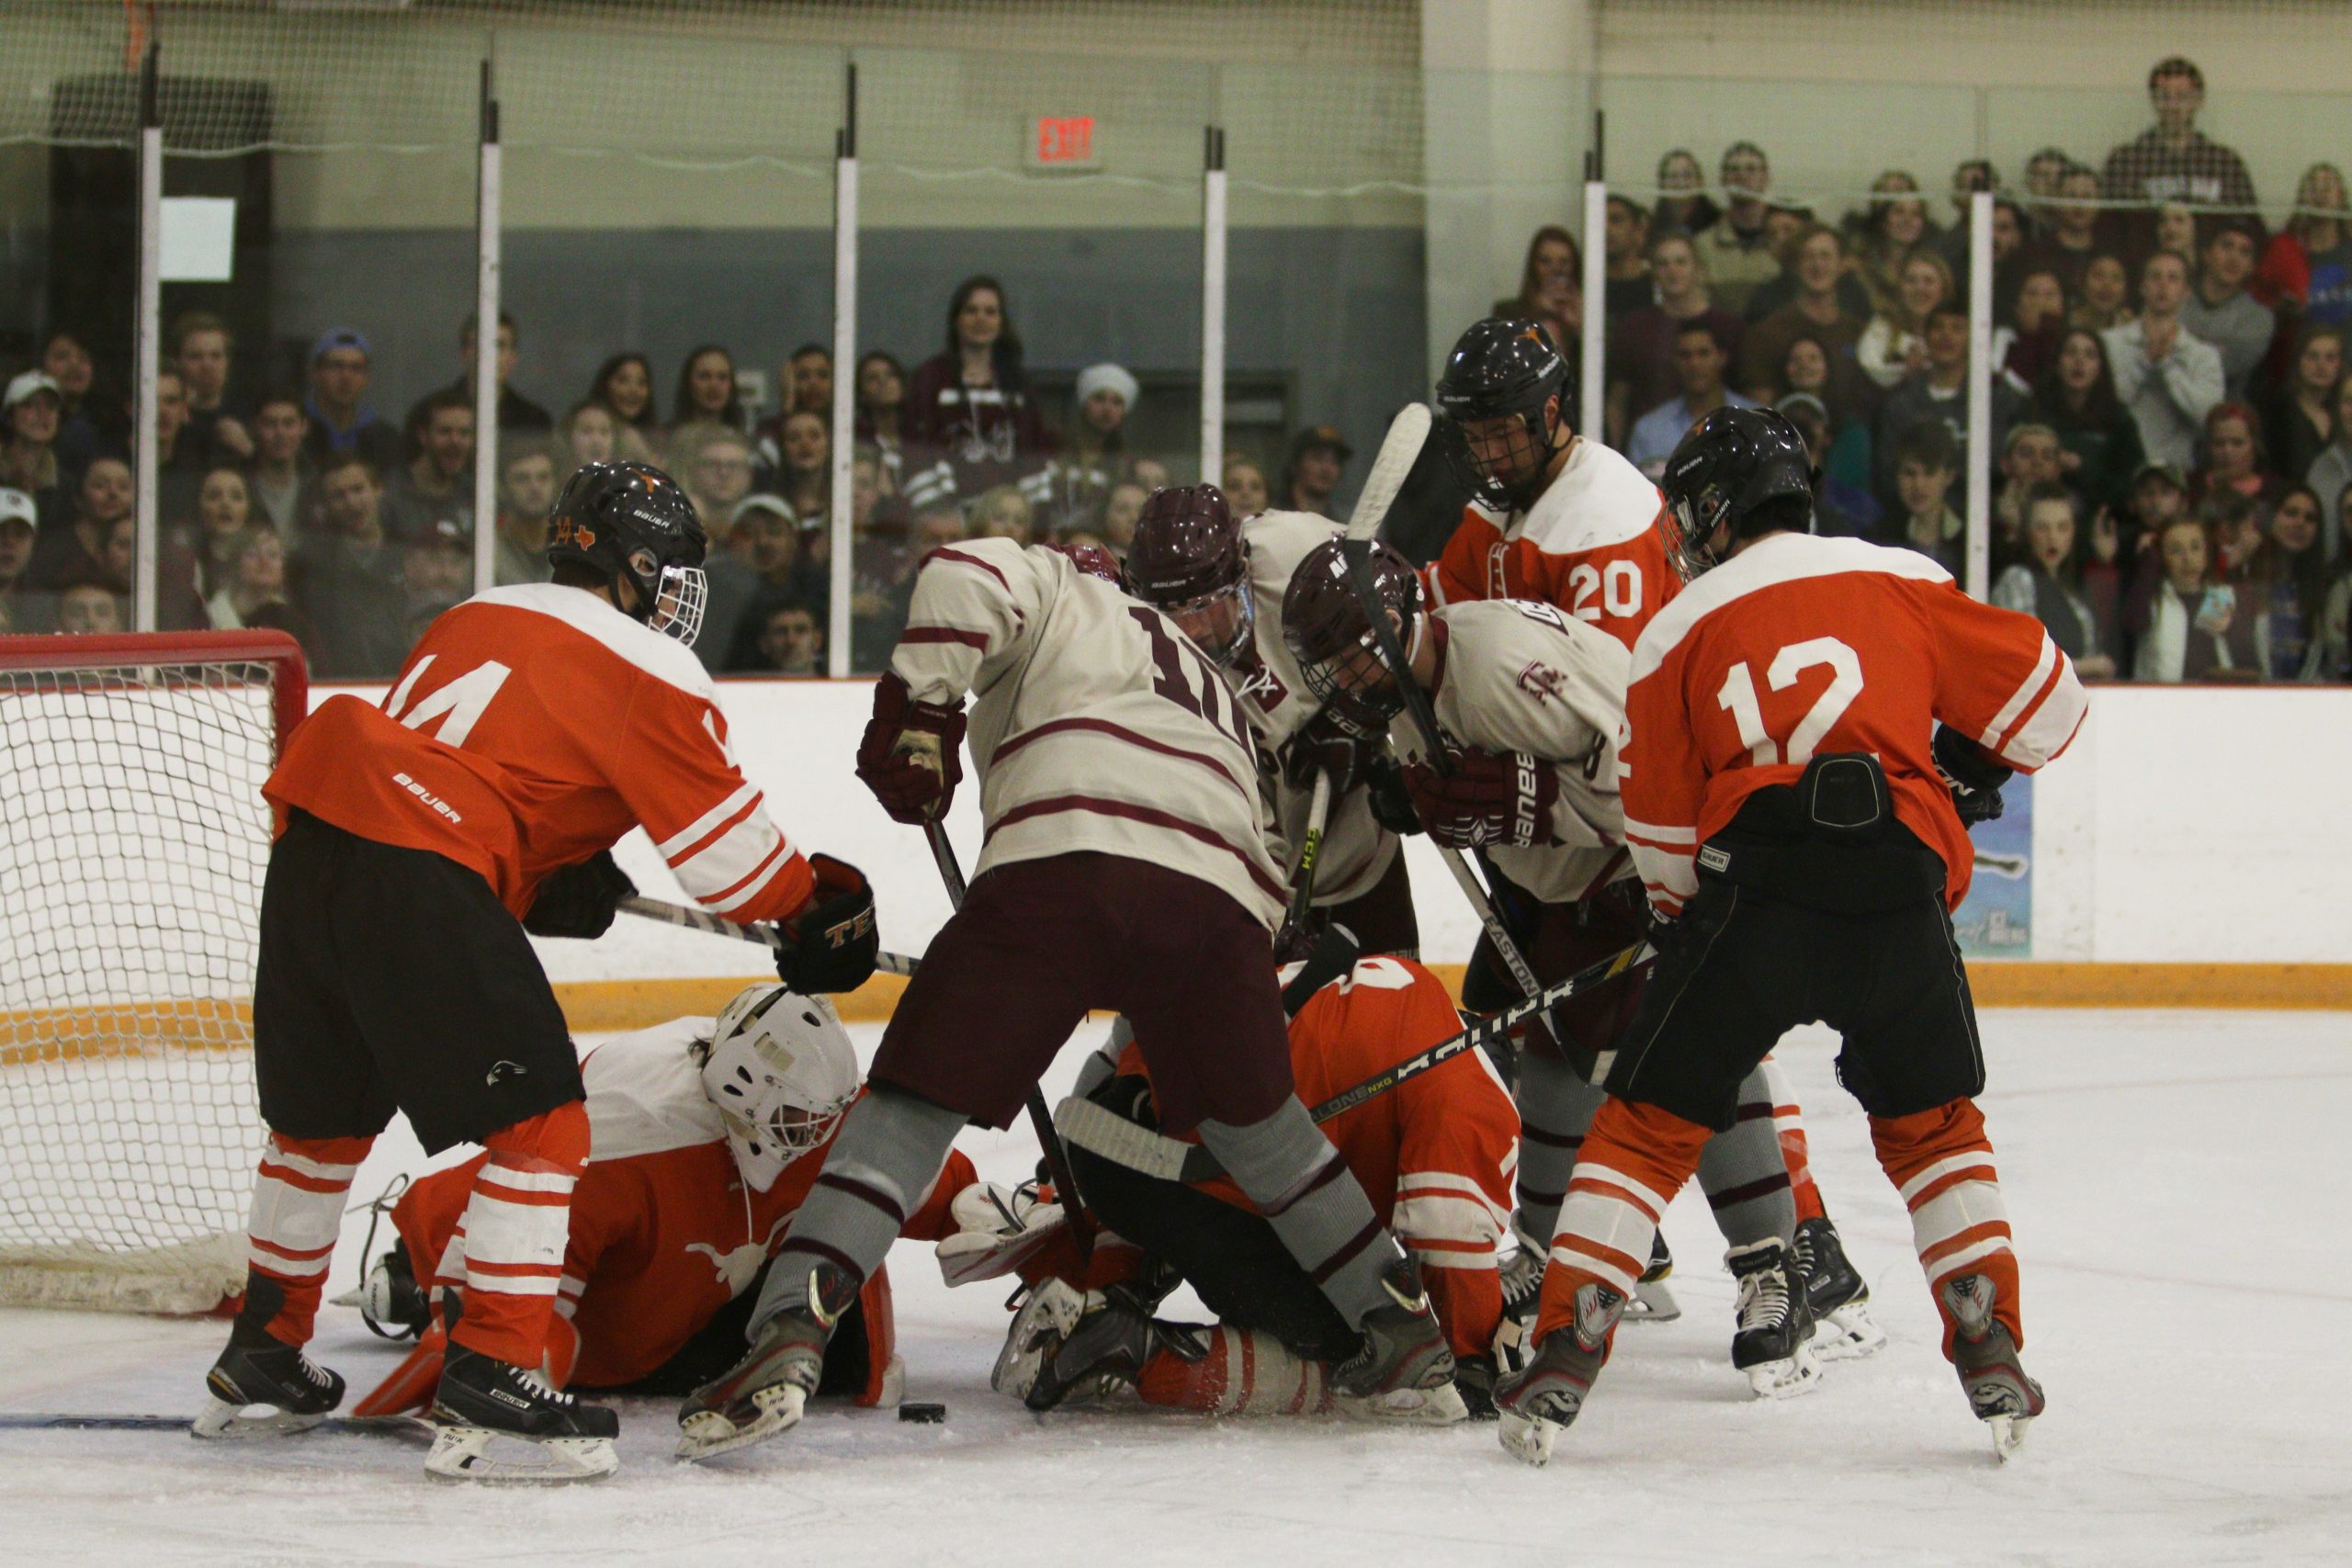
<point>133,836</point>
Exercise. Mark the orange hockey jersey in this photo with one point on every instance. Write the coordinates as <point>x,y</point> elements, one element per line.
<point>532,727</point>
<point>1799,646</point>
<point>1437,1154</point>
<point>1590,545</point>
<point>664,1230</point>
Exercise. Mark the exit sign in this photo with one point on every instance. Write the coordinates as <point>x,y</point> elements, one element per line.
<point>1063,141</point>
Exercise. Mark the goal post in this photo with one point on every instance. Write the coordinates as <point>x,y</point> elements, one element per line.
<point>133,840</point>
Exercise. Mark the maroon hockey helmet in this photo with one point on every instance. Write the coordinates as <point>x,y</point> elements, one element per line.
<point>1093,560</point>
<point>1188,559</point>
<point>1329,632</point>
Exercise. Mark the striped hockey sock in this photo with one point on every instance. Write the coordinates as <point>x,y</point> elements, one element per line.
<point>1635,1158</point>
<point>300,1192</point>
<point>1941,1163</point>
<point>1242,1372</point>
<point>1744,1169</point>
<point>1788,1121</point>
<point>517,1222</point>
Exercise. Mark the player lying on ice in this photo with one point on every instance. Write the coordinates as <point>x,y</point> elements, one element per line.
<point>1798,819</point>
<point>529,729</point>
<point>706,1136</point>
<point>1434,1153</point>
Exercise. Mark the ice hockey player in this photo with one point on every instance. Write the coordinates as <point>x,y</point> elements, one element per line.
<point>1124,863</point>
<point>1222,581</point>
<point>1434,1154</point>
<point>705,1136</point>
<point>1566,521</point>
<point>530,729</point>
<point>1798,819</point>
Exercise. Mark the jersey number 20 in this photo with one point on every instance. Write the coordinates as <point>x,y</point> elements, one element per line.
<point>1739,699</point>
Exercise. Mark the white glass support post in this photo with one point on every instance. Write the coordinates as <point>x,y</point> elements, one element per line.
<point>149,338</point>
<point>486,282</point>
<point>1213,257</point>
<point>837,605</point>
<point>1980,393</point>
<point>1593,346</point>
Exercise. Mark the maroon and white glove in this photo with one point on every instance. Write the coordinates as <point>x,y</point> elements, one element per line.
<point>1321,746</point>
<point>912,754</point>
<point>1490,800</point>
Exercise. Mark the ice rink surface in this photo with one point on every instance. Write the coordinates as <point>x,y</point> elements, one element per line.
<point>2177,1184</point>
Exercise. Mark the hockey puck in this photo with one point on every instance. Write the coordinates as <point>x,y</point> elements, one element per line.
<point>924,1411</point>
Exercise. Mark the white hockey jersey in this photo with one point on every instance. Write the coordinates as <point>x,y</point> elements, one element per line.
<point>1095,726</point>
<point>1514,675</point>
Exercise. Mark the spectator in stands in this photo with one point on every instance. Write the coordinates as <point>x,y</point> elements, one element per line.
<point>528,486</point>
<point>1318,456</point>
<point>90,609</point>
<point>21,609</point>
<point>769,538</point>
<point>790,642</point>
<point>2335,636</point>
<point>62,555</point>
<point>2189,628</point>
<point>281,475</point>
<point>2284,582</point>
<point>1625,243</point>
<point>2331,471</point>
<point>2026,341</point>
<point>249,573</point>
<point>437,573</point>
<point>341,419</point>
<point>1894,346</point>
<point>970,403</point>
<point>938,526</point>
<point>516,412</point>
<point>800,465</point>
<point>2176,231</point>
<point>34,410</point>
<point>1734,248</point>
<point>214,535</point>
<point>2047,584</point>
<point>713,463</point>
<point>2167,376</point>
<point>881,400</point>
<point>1121,509</point>
<point>2236,462</point>
<point>1940,392</point>
<point>439,482</point>
<point>2106,300</point>
<point>1816,310</point>
<point>1244,482</point>
<point>1926,461</point>
<point>1004,513</point>
<point>2031,458</point>
<point>1094,453</point>
<point>2159,496</point>
<point>1838,508</point>
<point>1683,203</point>
<point>84,428</point>
<point>2299,419</point>
<point>1810,368</point>
<point>181,459</point>
<point>1894,226</point>
<point>1641,352</point>
<point>1551,287</point>
<point>201,348</point>
<point>1968,176</point>
<point>2010,254</point>
<point>624,384</point>
<point>352,585</point>
<point>2070,240</point>
<point>591,433</point>
<point>2043,173</point>
<point>706,392</point>
<point>2308,266</point>
<point>1153,474</point>
<point>808,379</point>
<point>1700,360</point>
<point>2219,311</point>
<point>2172,160</point>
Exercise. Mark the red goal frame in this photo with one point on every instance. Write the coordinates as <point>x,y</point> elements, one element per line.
<point>290,691</point>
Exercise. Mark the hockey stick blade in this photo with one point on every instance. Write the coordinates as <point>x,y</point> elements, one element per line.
<point>765,936</point>
<point>1407,434</point>
<point>350,1426</point>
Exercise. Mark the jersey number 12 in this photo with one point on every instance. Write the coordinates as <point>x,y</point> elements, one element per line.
<point>1739,698</point>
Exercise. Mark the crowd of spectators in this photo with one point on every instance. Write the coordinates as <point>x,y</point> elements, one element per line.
<point>2171,418</point>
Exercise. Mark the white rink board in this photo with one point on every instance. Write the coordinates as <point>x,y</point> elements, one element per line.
<point>2187,824</point>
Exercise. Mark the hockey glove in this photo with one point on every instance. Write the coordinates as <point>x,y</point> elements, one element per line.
<point>1385,791</point>
<point>579,900</point>
<point>1474,1380</point>
<point>912,754</point>
<point>1322,746</point>
<point>1489,799</point>
<point>1973,775</point>
<point>831,943</point>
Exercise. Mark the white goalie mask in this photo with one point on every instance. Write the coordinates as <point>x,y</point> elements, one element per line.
<point>780,1073</point>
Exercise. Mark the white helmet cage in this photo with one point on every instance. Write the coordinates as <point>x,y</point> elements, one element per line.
<point>780,1073</point>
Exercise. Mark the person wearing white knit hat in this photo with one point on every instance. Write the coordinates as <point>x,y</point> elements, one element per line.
<point>1069,492</point>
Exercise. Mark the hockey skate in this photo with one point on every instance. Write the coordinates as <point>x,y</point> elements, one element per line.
<point>1548,1395</point>
<point>1773,1340</point>
<point>1522,1281</point>
<point>1106,1349</point>
<point>1843,1328</point>
<point>495,1421</point>
<point>1404,1365</point>
<point>256,1369</point>
<point>2000,1393</point>
<point>767,1392</point>
<point>1045,1320</point>
<point>1653,1303</point>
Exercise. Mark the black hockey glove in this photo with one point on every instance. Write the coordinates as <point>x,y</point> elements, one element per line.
<point>1973,775</point>
<point>833,943</point>
<point>1474,1380</point>
<point>579,900</point>
<point>1322,746</point>
<point>1391,801</point>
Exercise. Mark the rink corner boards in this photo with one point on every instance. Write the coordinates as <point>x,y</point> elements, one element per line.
<point>600,1006</point>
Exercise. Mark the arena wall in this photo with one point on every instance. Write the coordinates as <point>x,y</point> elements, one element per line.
<point>2184,854</point>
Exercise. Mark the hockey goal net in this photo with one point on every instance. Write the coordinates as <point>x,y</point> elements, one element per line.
<point>133,836</point>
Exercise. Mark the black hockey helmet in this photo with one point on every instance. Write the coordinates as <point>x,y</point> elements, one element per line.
<point>632,520</point>
<point>1187,559</point>
<point>1504,368</point>
<point>1727,471</point>
<point>1329,631</point>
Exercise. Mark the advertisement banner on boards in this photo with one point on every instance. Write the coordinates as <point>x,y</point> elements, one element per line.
<point>1996,921</point>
